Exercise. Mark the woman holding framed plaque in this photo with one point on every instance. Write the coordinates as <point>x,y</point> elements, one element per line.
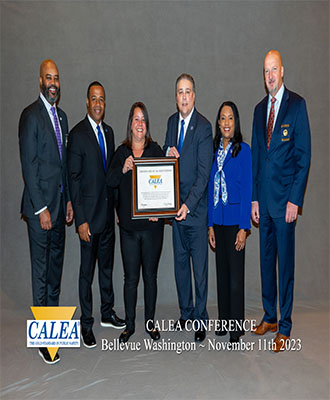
<point>141,240</point>
<point>229,210</point>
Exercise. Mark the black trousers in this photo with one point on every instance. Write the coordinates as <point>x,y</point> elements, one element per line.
<point>140,248</point>
<point>100,248</point>
<point>47,254</point>
<point>230,276</point>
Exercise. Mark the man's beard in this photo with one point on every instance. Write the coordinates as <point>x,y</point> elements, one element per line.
<point>273,90</point>
<point>49,98</point>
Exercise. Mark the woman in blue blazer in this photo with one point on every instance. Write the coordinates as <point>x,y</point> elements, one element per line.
<point>230,193</point>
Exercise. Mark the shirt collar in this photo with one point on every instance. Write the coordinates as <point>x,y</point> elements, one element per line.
<point>278,95</point>
<point>187,119</point>
<point>93,123</point>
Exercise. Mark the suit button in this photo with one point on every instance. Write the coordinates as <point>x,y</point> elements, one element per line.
<point>59,185</point>
<point>106,199</point>
<point>267,159</point>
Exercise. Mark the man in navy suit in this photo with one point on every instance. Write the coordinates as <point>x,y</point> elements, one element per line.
<point>281,152</point>
<point>46,204</point>
<point>90,150</point>
<point>189,138</point>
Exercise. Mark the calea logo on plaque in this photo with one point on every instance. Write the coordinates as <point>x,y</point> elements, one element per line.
<point>155,180</point>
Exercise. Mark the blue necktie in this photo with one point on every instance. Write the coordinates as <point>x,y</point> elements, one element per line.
<point>181,137</point>
<point>102,147</point>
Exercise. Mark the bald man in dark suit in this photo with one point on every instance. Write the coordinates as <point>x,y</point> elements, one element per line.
<point>46,205</point>
<point>281,152</point>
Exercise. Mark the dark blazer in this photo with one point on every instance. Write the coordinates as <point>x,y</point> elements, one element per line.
<point>43,170</point>
<point>280,173</point>
<point>92,199</point>
<point>238,173</point>
<point>195,164</point>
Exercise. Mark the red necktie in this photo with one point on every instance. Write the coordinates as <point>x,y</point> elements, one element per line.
<point>270,122</point>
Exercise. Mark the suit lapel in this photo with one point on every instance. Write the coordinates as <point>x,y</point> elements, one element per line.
<point>107,134</point>
<point>280,116</point>
<point>93,141</point>
<point>264,120</point>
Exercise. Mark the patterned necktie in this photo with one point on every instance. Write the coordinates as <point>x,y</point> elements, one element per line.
<point>270,122</point>
<point>181,137</point>
<point>57,131</point>
<point>102,147</point>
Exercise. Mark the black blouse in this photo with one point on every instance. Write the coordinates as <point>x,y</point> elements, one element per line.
<point>123,182</point>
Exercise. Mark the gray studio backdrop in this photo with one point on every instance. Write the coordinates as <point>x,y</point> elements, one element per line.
<point>137,50</point>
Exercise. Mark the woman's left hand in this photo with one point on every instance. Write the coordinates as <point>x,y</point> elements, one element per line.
<point>212,237</point>
<point>153,219</point>
<point>240,240</point>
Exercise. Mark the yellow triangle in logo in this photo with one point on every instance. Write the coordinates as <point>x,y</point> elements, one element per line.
<point>53,313</point>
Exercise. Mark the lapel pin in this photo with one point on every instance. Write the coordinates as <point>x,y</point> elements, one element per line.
<point>191,128</point>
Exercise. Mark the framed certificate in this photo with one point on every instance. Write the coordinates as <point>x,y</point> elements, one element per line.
<point>155,184</point>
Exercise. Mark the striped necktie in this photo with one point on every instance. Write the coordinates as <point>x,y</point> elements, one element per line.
<point>57,131</point>
<point>270,122</point>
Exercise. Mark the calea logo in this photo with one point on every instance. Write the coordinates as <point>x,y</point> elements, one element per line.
<point>155,180</point>
<point>53,327</point>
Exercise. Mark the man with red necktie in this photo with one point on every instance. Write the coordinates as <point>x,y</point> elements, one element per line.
<point>281,151</point>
